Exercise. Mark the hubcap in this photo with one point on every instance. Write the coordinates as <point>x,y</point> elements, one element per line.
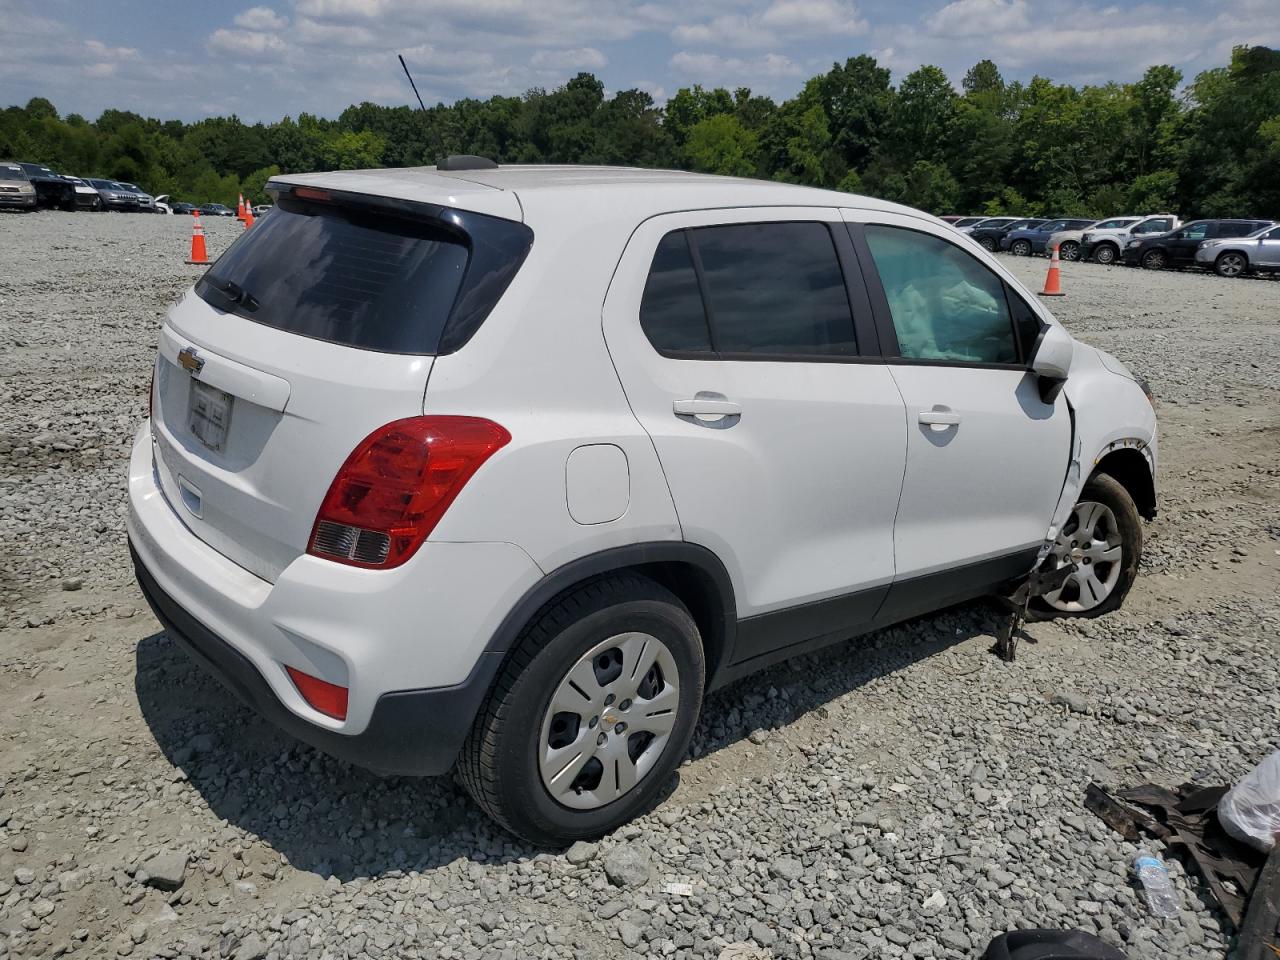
<point>609,720</point>
<point>1090,542</point>
<point>1104,255</point>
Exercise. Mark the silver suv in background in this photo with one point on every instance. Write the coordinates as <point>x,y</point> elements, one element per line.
<point>1103,243</point>
<point>1258,252</point>
<point>16,191</point>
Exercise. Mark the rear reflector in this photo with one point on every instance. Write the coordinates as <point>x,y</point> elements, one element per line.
<point>397,484</point>
<point>327,698</point>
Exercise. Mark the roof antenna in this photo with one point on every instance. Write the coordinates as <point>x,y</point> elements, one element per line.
<point>411,83</point>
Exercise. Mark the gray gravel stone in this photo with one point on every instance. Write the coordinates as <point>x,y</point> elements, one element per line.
<point>166,870</point>
<point>627,865</point>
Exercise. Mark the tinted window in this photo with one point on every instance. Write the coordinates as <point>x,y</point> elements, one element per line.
<point>1052,226</point>
<point>945,305</point>
<point>1236,228</point>
<point>1273,235</point>
<point>362,280</point>
<point>671,311</point>
<point>1154,226</point>
<point>1197,231</point>
<point>1113,224</point>
<point>775,288</point>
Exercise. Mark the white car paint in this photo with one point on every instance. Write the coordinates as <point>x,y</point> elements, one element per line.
<point>798,498</point>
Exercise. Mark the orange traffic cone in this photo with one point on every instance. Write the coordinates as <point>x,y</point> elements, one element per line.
<point>248,217</point>
<point>240,208</point>
<point>1053,280</point>
<point>199,254</point>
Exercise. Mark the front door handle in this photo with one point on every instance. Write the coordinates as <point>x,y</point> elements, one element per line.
<point>939,418</point>
<point>706,408</point>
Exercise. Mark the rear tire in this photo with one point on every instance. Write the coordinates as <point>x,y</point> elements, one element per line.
<point>1231,265</point>
<point>564,704</point>
<point>1106,253</point>
<point>1111,523</point>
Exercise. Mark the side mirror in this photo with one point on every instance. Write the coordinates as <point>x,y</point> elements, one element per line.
<point>1052,361</point>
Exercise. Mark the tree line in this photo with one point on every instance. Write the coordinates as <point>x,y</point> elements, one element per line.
<point>1211,148</point>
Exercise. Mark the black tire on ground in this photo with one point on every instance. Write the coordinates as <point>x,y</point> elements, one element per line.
<point>1231,264</point>
<point>988,244</point>
<point>1106,253</point>
<point>1104,489</point>
<point>1068,250</point>
<point>498,765</point>
<point>1154,260</point>
<point>1021,248</point>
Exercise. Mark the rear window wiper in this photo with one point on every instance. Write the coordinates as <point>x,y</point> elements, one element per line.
<point>236,294</point>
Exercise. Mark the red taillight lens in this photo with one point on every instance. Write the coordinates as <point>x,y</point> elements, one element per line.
<point>397,484</point>
<point>328,698</point>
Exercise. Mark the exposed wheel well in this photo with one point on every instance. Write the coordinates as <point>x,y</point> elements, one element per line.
<point>1129,468</point>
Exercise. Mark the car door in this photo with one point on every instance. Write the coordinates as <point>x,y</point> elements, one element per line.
<point>1268,249</point>
<point>745,346</point>
<point>1181,246</point>
<point>986,457</point>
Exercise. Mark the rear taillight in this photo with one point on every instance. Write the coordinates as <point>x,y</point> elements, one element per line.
<point>397,484</point>
<point>328,698</point>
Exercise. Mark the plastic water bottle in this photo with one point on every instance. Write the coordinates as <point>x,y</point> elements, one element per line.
<point>1162,898</point>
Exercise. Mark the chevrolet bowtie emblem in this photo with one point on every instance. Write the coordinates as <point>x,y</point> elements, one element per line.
<point>189,362</point>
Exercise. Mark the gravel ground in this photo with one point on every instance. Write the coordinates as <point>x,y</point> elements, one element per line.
<point>905,795</point>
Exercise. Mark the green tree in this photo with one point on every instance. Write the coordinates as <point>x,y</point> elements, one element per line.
<point>857,98</point>
<point>721,144</point>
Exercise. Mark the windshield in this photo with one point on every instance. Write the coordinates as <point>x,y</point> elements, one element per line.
<point>1115,224</point>
<point>11,173</point>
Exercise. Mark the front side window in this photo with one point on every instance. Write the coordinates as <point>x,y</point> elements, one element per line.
<point>945,305</point>
<point>758,291</point>
<point>1154,226</point>
<point>1112,224</point>
<point>1197,231</point>
<point>1053,226</point>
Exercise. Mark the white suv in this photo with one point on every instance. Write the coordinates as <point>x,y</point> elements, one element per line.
<point>508,466</point>
<point>1104,241</point>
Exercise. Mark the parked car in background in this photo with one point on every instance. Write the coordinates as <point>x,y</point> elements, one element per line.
<point>162,203</point>
<point>1025,241</point>
<point>87,197</point>
<point>215,210</point>
<point>504,535</point>
<point>16,191</point>
<point>1104,244</point>
<point>262,208</point>
<point>1068,241</point>
<point>52,189</point>
<point>1177,248</point>
<point>1257,253</point>
<point>181,206</point>
<point>114,196</point>
<point>987,222</point>
<point>967,222</point>
<point>146,202</point>
<point>988,235</point>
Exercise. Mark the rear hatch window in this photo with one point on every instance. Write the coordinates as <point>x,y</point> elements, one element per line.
<point>364,278</point>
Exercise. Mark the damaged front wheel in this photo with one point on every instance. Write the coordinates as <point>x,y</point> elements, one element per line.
<point>1102,544</point>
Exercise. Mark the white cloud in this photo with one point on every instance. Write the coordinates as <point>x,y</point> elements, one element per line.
<point>581,58</point>
<point>727,71</point>
<point>246,43</point>
<point>778,21</point>
<point>260,18</point>
<point>972,18</point>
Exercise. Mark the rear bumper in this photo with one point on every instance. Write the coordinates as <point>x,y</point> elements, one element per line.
<point>411,732</point>
<point>408,643</point>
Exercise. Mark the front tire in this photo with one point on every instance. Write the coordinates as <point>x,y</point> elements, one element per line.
<point>1154,260</point>
<point>1106,253</point>
<point>1103,538</point>
<point>1021,248</point>
<point>1231,265</point>
<point>1069,250</point>
<point>592,712</point>
<point>987,244</point>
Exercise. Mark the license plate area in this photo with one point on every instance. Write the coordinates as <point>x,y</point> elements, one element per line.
<point>209,415</point>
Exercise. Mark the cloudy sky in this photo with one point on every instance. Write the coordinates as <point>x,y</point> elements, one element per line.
<point>192,58</point>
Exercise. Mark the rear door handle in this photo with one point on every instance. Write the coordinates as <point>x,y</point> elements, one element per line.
<point>939,418</point>
<point>706,408</point>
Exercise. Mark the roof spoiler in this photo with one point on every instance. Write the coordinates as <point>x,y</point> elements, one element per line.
<point>465,161</point>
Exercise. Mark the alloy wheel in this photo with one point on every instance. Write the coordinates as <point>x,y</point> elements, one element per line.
<point>1021,248</point>
<point>1090,542</point>
<point>1230,265</point>
<point>609,720</point>
<point>1105,254</point>
<point>1154,260</point>
<point>1069,251</point>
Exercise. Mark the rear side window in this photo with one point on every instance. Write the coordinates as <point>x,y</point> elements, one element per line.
<point>357,277</point>
<point>671,312</point>
<point>1236,228</point>
<point>749,291</point>
<point>1273,235</point>
<point>945,305</point>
